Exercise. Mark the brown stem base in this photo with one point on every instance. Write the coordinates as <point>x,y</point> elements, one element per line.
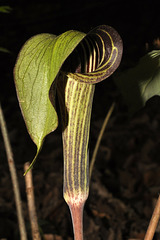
<point>77,220</point>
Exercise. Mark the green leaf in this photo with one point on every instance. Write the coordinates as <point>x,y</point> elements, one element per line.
<point>142,82</point>
<point>37,66</point>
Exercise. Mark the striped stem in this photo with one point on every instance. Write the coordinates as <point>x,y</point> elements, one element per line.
<point>76,105</point>
<point>76,124</point>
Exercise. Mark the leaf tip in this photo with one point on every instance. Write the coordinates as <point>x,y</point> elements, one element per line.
<point>33,162</point>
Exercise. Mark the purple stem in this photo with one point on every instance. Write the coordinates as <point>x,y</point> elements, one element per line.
<point>77,220</point>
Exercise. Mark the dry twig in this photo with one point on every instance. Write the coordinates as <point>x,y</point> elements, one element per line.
<point>13,173</point>
<point>100,137</point>
<point>31,203</point>
<point>153,222</point>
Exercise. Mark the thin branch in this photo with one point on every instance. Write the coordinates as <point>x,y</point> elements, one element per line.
<point>153,222</point>
<point>13,173</point>
<point>31,203</point>
<point>100,137</point>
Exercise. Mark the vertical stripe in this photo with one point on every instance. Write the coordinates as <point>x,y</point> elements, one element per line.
<point>94,58</point>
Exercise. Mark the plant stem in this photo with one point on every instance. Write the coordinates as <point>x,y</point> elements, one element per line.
<point>100,137</point>
<point>13,173</point>
<point>77,220</point>
<point>31,203</point>
<point>76,105</point>
<point>153,222</point>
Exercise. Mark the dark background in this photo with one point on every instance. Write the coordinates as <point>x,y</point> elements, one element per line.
<point>136,21</point>
<point>125,182</point>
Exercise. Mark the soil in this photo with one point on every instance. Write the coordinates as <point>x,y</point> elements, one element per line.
<point>125,182</point>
